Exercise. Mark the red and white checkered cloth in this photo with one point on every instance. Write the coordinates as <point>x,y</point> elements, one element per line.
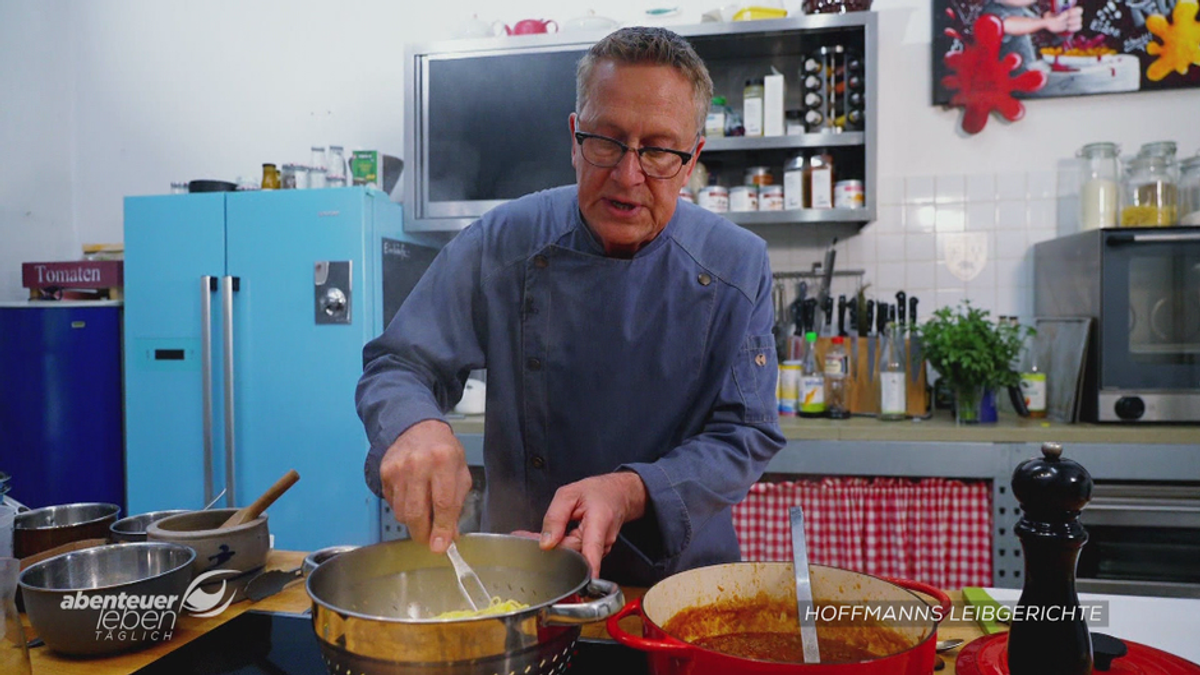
<point>934,530</point>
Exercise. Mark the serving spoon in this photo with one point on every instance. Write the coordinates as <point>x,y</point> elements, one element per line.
<point>804,597</point>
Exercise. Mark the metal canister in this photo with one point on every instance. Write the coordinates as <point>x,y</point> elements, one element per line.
<point>848,194</point>
<point>759,175</point>
<point>793,183</point>
<point>714,198</point>
<point>770,198</point>
<point>789,388</point>
<point>743,198</point>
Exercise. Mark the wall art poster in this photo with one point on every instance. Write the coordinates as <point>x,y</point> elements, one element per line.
<point>987,53</point>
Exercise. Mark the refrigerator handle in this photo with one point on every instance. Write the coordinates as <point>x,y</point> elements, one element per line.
<point>208,284</point>
<point>228,285</point>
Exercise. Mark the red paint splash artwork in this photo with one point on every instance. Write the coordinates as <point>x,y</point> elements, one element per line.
<point>983,82</point>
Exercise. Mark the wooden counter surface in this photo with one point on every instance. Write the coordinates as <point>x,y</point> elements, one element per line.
<point>294,599</point>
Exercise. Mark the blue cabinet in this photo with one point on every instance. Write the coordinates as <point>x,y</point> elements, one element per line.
<point>60,402</point>
<point>280,290</point>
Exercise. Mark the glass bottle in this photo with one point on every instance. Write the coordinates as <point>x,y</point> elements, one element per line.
<point>14,655</point>
<point>317,159</point>
<point>893,389</point>
<point>335,175</point>
<point>714,124</point>
<point>1189,191</point>
<point>1150,196</point>
<point>1099,186</point>
<point>752,107</point>
<point>270,177</point>
<point>1033,381</point>
<point>812,381</point>
<point>819,183</point>
<point>837,369</point>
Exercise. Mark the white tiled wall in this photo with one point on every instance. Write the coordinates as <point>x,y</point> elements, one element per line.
<point>905,248</point>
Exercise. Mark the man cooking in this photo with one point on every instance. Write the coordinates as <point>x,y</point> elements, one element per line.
<point>626,336</point>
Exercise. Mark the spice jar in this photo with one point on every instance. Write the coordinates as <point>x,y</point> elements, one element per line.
<point>1189,191</point>
<point>714,198</point>
<point>1150,197</point>
<point>1099,186</point>
<point>770,198</point>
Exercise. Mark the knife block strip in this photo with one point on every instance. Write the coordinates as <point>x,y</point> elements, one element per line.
<point>862,383</point>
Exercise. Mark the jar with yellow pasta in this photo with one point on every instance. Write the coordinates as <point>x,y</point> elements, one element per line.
<point>1150,196</point>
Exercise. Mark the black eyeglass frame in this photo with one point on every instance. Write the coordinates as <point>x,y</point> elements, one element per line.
<point>581,136</point>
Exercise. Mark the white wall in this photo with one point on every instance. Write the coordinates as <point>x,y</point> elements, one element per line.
<point>36,136</point>
<point>125,96</point>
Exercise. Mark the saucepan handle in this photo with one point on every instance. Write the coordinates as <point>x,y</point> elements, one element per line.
<point>943,599</point>
<point>569,614</point>
<point>677,650</point>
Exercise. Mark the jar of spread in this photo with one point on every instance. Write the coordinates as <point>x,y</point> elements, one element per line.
<point>685,193</point>
<point>770,198</point>
<point>759,175</point>
<point>743,198</point>
<point>848,194</point>
<point>714,198</point>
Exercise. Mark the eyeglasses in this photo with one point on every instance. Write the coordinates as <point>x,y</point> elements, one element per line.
<point>606,153</point>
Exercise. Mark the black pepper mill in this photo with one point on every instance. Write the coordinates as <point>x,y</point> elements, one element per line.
<point>1049,635</point>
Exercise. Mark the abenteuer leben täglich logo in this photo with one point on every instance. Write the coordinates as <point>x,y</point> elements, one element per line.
<point>131,617</point>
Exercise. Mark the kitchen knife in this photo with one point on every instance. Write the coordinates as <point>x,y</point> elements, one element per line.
<point>827,310</point>
<point>869,320</point>
<point>810,315</point>
<point>900,306</point>
<point>841,315</point>
<point>882,318</point>
<point>912,310</point>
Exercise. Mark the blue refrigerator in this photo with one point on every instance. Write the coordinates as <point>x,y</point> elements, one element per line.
<point>245,318</point>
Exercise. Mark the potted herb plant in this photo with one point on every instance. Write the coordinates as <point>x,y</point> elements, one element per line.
<point>973,353</point>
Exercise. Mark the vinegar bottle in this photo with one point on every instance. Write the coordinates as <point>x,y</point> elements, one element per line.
<point>812,381</point>
<point>893,390</point>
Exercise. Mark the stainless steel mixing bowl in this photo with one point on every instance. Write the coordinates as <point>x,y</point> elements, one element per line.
<point>108,598</point>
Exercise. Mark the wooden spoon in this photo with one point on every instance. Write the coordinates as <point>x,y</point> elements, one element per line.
<point>249,513</point>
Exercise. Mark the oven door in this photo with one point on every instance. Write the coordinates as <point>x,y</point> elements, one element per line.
<point>1150,334</point>
<point>1143,539</point>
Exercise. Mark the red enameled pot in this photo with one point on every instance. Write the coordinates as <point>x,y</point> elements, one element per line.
<point>670,655</point>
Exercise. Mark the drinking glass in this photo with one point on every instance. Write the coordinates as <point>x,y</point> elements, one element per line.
<point>14,655</point>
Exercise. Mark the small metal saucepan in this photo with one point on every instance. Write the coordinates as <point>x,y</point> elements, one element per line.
<point>374,608</point>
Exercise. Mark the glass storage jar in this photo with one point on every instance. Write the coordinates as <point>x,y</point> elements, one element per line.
<point>1166,150</point>
<point>1189,191</point>
<point>1099,186</point>
<point>1150,196</point>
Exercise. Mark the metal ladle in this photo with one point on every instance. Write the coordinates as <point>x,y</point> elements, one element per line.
<point>804,597</point>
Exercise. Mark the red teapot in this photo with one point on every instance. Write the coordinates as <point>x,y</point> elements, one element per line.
<point>531,26</point>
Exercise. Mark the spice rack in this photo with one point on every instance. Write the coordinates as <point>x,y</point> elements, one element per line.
<point>740,51</point>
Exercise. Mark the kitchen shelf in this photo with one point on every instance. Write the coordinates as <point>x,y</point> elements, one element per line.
<point>734,143</point>
<point>857,216</point>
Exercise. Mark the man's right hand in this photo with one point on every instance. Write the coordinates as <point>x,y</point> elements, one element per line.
<point>425,480</point>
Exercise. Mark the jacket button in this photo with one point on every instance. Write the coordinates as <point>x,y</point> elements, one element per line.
<point>538,462</point>
<point>534,363</point>
<point>540,261</point>
<point>705,279</point>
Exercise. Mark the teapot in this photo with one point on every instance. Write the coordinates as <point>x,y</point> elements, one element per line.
<point>590,22</point>
<point>531,26</point>
<point>478,28</point>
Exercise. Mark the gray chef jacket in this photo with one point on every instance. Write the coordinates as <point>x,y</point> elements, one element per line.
<point>662,364</point>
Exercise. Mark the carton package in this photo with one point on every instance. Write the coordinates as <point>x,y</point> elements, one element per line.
<point>366,168</point>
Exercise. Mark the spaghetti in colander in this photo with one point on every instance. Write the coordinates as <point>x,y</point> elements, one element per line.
<point>497,606</point>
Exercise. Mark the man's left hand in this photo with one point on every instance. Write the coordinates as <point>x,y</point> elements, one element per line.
<point>601,505</point>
